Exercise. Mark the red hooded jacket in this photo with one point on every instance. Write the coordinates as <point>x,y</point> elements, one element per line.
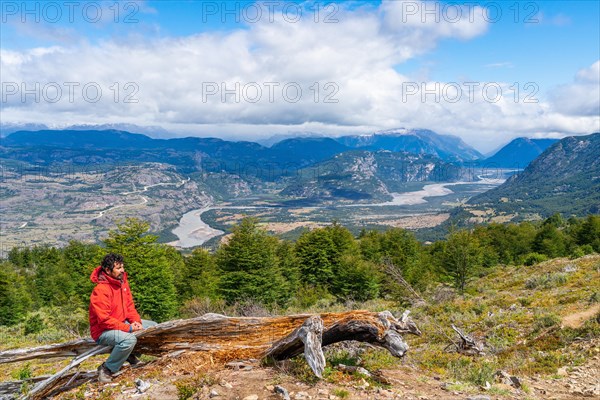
<point>111,304</point>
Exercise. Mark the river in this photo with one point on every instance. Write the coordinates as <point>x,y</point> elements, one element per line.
<point>192,231</point>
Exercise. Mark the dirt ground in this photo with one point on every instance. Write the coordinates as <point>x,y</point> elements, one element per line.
<point>407,383</point>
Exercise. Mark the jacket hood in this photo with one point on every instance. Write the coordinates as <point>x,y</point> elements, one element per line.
<point>98,277</point>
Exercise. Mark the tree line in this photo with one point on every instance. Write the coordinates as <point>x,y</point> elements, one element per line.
<point>253,265</point>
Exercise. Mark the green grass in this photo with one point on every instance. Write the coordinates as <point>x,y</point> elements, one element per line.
<point>341,393</point>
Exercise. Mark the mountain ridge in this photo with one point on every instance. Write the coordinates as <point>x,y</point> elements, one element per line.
<point>519,152</point>
<point>564,178</point>
<point>419,141</point>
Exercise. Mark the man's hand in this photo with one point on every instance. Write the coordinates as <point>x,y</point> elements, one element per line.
<point>136,326</point>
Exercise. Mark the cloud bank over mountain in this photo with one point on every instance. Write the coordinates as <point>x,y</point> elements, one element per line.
<point>271,77</point>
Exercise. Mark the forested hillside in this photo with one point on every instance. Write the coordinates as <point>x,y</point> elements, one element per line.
<point>565,178</point>
<point>253,267</point>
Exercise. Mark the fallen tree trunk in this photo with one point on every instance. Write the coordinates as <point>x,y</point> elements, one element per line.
<point>265,337</point>
<point>67,382</point>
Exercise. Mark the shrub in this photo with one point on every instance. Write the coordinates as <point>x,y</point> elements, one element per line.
<point>34,324</point>
<point>23,373</point>
<point>200,306</point>
<point>534,258</point>
<point>308,295</point>
<point>546,281</point>
<point>341,393</point>
<point>545,321</point>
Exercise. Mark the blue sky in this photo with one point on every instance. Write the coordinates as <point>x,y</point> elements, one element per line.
<point>554,44</point>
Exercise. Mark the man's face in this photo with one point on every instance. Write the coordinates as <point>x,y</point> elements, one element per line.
<point>117,271</point>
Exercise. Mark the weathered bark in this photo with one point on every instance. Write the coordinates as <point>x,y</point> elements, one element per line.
<point>273,337</point>
<point>217,332</point>
<point>42,389</point>
<point>66,382</point>
<point>68,349</point>
<point>307,338</point>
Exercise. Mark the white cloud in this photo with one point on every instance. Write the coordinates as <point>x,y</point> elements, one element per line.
<point>351,61</point>
<point>582,96</point>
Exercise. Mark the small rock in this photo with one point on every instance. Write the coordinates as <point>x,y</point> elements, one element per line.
<point>141,386</point>
<point>213,393</point>
<point>251,397</point>
<point>322,391</point>
<point>516,382</point>
<point>281,391</point>
<point>301,396</point>
<point>479,397</point>
<point>238,365</point>
<point>226,385</point>
<point>570,268</point>
<point>502,377</point>
<point>270,388</point>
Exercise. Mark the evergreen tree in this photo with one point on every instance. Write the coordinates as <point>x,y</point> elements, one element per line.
<point>249,267</point>
<point>550,241</point>
<point>288,264</point>
<point>589,232</point>
<point>370,245</point>
<point>461,258</point>
<point>79,260</point>
<point>315,251</point>
<point>320,251</point>
<point>402,248</point>
<point>201,277</point>
<point>178,270</point>
<point>148,268</point>
<point>355,278</point>
<point>53,284</point>
<point>14,297</point>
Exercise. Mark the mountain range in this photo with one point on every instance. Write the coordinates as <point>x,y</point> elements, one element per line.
<point>372,175</point>
<point>92,146</point>
<point>417,141</point>
<point>565,178</point>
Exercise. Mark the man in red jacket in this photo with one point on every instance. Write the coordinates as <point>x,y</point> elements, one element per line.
<point>113,317</point>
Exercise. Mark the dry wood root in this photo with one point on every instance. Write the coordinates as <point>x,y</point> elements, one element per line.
<point>468,345</point>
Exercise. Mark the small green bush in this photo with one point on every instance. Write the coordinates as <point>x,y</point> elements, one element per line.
<point>34,324</point>
<point>341,393</point>
<point>546,281</point>
<point>545,321</point>
<point>534,258</point>
<point>23,373</point>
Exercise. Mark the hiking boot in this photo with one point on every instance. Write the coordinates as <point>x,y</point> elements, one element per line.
<point>104,374</point>
<point>133,359</point>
